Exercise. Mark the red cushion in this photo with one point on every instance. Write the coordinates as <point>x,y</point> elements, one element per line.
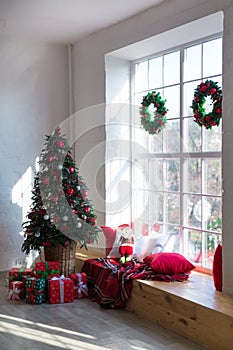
<point>110,235</point>
<point>168,263</point>
<point>217,268</point>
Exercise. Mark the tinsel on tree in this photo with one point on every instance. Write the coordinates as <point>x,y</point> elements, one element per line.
<point>60,212</point>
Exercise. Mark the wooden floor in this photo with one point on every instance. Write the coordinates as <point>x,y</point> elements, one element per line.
<point>81,325</point>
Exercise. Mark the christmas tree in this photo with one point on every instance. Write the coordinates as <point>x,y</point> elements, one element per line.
<point>60,212</point>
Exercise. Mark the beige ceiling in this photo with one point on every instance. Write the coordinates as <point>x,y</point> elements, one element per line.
<point>64,21</point>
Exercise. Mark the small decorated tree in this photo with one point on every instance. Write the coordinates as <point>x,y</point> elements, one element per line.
<point>61,213</point>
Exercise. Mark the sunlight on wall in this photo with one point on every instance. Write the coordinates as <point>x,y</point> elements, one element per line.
<point>21,192</point>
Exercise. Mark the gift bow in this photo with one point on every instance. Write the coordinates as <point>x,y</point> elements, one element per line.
<point>81,287</point>
<point>61,280</point>
<point>45,274</point>
<point>14,293</point>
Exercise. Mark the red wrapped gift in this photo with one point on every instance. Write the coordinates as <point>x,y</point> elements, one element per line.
<point>80,285</point>
<point>61,290</point>
<point>47,269</point>
<point>16,290</point>
<point>18,273</point>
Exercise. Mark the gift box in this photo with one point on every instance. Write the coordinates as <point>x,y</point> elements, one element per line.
<point>16,290</point>
<point>47,269</point>
<point>80,285</point>
<point>61,290</point>
<point>18,273</point>
<point>35,290</point>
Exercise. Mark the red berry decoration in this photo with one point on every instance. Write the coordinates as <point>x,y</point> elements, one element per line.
<point>157,123</point>
<point>207,88</point>
<point>71,169</point>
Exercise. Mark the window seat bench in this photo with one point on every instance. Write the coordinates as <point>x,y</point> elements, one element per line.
<point>193,308</point>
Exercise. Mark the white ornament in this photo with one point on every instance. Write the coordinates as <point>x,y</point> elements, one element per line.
<point>78,188</point>
<point>46,217</point>
<point>59,167</point>
<point>79,224</point>
<point>65,218</point>
<point>37,234</point>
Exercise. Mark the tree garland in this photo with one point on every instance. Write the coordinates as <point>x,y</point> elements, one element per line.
<point>155,125</point>
<point>207,88</point>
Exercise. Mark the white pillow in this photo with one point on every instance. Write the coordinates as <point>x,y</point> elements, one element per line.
<point>145,245</point>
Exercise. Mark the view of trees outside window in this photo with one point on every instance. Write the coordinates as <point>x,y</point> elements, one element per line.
<point>182,166</point>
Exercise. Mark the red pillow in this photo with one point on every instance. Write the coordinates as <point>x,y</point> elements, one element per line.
<point>110,236</point>
<point>217,268</point>
<point>168,263</point>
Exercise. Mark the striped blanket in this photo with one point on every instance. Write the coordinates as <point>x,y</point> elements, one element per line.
<point>110,282</point>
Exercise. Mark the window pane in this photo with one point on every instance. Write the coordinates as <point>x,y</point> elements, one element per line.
<point>156,179</point>
<point>172,174</point>
<point>213,177</point>
<point>214,222</point>
<point>192,63</point>
<point>172,97</point>
<point>188,97</point>
<point>172,68</point>
<point>210,242</point>
<point>212,139</point>
<point>192,210</point>
<point>138,98</point>
<point>192,175</point>
<point>171,136</point>
<point>156,143</point>
<point>141,76</point>
<point>193,246</point>
<point>172,208</point>
<point>192,136</point>
<point>155,73</point>
<point>212,57</point>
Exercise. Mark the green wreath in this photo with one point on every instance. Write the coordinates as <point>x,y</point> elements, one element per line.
<point>207,88</point>
<point>155,125</point>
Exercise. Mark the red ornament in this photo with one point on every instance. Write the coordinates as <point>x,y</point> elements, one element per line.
<point>85,193</point>
<point>49,158</point>
<point>71,169</point>
<point>70,191</point>
<point>75,211</point>
<point>60,144</point>
<point>87,209</point>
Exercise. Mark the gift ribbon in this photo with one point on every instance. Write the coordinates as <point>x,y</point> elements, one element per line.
<point>14,293</point>
<point>45,274</point>
<point>20,273</point>
<point>30,288</point>
<point>61,280</point>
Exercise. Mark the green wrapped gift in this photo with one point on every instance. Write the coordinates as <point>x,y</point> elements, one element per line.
<point>35,290</point>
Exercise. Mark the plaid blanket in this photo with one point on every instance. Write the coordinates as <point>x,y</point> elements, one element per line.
<point>110,282</point>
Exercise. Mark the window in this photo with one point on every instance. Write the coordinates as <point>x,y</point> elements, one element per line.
<point>177,177</point>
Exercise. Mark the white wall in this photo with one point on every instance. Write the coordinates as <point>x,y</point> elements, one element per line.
<point>33,100</point>
<point>89,54</point>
